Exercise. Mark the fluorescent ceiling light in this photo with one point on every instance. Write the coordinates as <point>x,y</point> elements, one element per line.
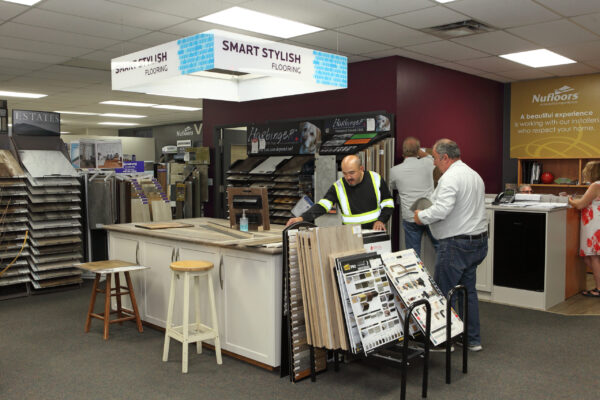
<point>22,94</point>
<point>241,18</point>
<point>179,108</point>
<point>538,58</point>
<point>76,112</point>
<point>127,103</point>
<point>444,1</point>
<point>24,2</point>
<point>117,123</point>
<point>123,115</point>
<point>64,133</point>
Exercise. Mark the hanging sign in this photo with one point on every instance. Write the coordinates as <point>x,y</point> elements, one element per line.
<point>226,66</point>
<point>555,118</point>
<point>284,138</point>
<point>347,135</point>
<point>35,123</point>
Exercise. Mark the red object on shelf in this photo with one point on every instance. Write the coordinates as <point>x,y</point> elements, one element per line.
<point>547,177</point>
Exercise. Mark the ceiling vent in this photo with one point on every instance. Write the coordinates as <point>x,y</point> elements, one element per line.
<point>458,29</point>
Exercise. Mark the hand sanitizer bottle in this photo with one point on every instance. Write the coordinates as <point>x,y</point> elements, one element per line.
<point>244,222</point>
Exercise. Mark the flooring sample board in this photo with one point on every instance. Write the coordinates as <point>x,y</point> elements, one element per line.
<point>38,234</point>
<point>44,284</point>
<point>161,211</point>
<point>9,166</point>
<point>372,320</point>
<point>269,165</point>
<point>140,211</point>
<point>42,190</point>
<point>54,265</point>
<point>52,181</point>
<point>45,259</point>
<point>164,225</point>
<point>412,282</point>
<point>43,163</point>
<point>55,273</point>
<point>294,166</point>
<point>245,166</point>
<point>70,223</point>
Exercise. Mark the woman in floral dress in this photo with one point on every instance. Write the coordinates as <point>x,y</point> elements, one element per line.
<point>589,237</point>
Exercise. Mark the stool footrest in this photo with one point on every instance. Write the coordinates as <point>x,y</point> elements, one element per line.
<point>194,334</point>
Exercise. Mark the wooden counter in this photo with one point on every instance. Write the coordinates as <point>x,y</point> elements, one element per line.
<point>247,281</point>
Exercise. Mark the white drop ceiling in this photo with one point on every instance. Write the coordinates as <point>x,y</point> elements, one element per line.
<point>63,48</point>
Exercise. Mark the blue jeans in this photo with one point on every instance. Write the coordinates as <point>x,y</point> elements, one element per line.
<point>413,233</point>
<point>456,264</point>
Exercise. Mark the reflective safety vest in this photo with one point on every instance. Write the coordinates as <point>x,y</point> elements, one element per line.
<point>364,218</point>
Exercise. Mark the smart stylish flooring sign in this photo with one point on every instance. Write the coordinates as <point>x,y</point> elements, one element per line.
<point>555,118</point>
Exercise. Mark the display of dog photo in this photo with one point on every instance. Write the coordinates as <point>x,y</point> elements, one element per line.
<point>372,320</point>
<point>412,282</point>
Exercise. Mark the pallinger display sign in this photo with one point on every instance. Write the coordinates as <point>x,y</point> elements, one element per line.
<point>226,66</point>
<point>284,138</point>
<point>35,123</point>
<point>347,135</point>
<point>555,118</point>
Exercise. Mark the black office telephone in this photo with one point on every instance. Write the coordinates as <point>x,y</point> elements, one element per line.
<point>508,196</point>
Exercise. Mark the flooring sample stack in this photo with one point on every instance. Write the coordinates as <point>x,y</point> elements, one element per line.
<point>13,225</point>
<point>299,353</point>
<point>322,309</point>
<point>55,236</point>
<point>412,282</point>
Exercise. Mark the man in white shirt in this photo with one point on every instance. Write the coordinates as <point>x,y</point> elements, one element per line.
<point>413,179</point>
<point>457,218</point>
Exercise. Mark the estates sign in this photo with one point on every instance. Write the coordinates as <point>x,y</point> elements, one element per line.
<point>555,118</point>
<point>226,66</point>
<point>35,123</point>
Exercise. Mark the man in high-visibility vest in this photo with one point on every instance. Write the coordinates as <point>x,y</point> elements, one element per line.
<point>362,197</point>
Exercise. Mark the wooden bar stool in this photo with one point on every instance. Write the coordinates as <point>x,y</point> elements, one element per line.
<point>110,268</point>
<point>196,332</point>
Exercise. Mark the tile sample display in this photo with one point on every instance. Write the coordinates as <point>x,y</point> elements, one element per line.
<point>412,282</point>
<point>372,320</point>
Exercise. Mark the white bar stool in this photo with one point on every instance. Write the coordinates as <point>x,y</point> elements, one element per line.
<point>196,332</point>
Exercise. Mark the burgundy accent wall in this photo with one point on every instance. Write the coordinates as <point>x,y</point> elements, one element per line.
<point>428,101</point>
<point>434,102</point>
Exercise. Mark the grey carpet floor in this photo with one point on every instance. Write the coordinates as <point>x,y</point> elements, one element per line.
<point>44,354</point>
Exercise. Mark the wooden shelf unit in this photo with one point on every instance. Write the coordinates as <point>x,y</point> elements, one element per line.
<point>561,168</point>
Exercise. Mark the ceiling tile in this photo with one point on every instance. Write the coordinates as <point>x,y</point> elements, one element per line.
<point>554,33</point>
<point>30,56</point>
<point>102,10</point>
<point>182,8</point>
<point>22,64</point>
<point>496,77</point>
<point>383,31</point>
<point>54,36</point>
<point>572,8</point>
<point>406,54</point>
<point>126,47</point>
<point>446,50</point>
<point>461,68</point>
<point>384,8</point>
<point>194,26</point>
<point>497,42</point>
<point>83,26</point>
<point>570,69</point>
<point>504,13</point>
<point>579,51</point>
<point>339,42</point>
<point>90,76</point>
<point>594,63</point>
<point>314,12</point>
<point>10,10</point>
<point>526,73</point>
<point>489,64</point>
<point>428,17</point>
<point>41,47</point>
<point>352,58</point>
<point>591,22</point>
<point>156,38</point>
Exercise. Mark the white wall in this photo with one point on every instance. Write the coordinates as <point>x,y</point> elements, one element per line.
<point>143,148</point>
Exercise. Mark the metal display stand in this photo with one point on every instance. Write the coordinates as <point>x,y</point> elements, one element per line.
<point>449,328</point>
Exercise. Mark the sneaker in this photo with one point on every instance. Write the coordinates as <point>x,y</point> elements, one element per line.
<point>472,347</point>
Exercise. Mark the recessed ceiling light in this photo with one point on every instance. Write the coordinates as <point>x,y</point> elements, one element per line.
<point>22,94</point>
<point>180,108</point>
<point>76,112</point>
<point>241,18</point>
<point>123,115</point>
<point>24,2</point>
<point>117,123</point>
<point>538,58</point>
<point>127,103</point>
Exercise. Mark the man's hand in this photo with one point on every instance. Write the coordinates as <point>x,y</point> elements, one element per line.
<point>417,220</point>
<point>378,226</point>
<point>294,220</point>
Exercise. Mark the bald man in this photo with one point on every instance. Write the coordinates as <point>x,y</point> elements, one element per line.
<point>362,197</point>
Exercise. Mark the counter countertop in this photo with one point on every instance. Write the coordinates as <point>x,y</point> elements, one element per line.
<point>525,208</point>
<point>209,231</point>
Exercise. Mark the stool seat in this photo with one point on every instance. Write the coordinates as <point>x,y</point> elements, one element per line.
<point>191,266</point>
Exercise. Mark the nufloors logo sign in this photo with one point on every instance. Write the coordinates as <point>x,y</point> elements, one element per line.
<point>563,95</point>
